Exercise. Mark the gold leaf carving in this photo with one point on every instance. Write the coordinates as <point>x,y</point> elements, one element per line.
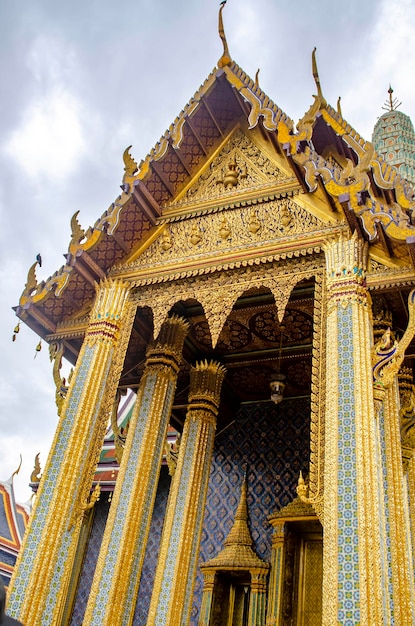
<point>218,292</point>
<point>255,170</point>
<point>231,231</point>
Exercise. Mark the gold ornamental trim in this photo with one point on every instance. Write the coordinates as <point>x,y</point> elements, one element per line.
<point>189,270</point>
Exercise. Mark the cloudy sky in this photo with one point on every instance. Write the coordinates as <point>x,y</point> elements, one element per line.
<point>82,80</point>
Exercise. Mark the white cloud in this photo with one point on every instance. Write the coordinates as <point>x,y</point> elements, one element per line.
<point>390,43</point>
<point>50,140</point>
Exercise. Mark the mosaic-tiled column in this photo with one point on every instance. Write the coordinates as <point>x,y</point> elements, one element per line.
<point>407,424</point>
<point>410,490</point>
<point>352,579</point>
<point>174,581</point>
<point>207,598</point>
<point>387,359</point>
<point>258,598</point>
<point>399,558</point>
<point>116,580</point>
<point>276,579</point>
<point>44,567</point>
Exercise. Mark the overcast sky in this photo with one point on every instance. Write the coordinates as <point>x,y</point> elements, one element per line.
<point>82,80</point>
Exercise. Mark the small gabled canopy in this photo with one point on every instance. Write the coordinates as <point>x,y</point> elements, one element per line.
<point>237,553</point>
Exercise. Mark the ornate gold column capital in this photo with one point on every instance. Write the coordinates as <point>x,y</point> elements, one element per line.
<point>105,319</point>
<point>167,349</point>
<point>346,257</point>
<point>346,263</point>
<point>206,380</point>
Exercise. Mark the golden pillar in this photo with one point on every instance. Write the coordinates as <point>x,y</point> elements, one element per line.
<point>276,578</point>
<point>407,422</point>
<point>117,576</point>
<point>176,568</point>
<point>42,574</point>
<point>207,597</point>
<point>393,420</point>
<point>410,489</point>
<point>398,556</point>
<point>352,579</point>
<point>258,599</point>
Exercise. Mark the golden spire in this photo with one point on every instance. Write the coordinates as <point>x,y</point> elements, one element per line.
<point>237,551</point>
<point>316,77</point>
<point>225,58</point>
<point>339,106</point>
<point>239,534</point>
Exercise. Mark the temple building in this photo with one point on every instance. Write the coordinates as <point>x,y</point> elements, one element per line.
<point>246,308</point>
<point>13,522</point>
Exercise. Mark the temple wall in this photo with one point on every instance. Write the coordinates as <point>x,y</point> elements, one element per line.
<point>153,545</point>
<point>90,561</point>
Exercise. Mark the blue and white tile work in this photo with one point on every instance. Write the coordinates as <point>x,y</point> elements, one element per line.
<point>55,462</point>
<point>152,550</point>
<point>90,561</point>
<point>348,536</point>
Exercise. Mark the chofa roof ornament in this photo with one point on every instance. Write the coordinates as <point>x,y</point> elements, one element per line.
<point>225,58</point>
<point>319,97</point>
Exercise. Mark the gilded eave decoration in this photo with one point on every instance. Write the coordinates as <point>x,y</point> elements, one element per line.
<point>363,187</point>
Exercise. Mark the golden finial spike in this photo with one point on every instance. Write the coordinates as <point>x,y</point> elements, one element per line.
<point>18,469</point>
<point>35,475</point>
<point>257,78</point>
<point>225,58</point>
<point>339,108</point>
<point>317,78</point>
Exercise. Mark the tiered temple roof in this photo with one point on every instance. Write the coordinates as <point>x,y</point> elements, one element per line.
<point>324,158</point>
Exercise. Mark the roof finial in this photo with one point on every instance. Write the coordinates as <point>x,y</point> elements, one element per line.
<point>18,469</point>
<point>225,58</point>
<point>392,104</point>
<point>339,106</point>
<point>317,79</point>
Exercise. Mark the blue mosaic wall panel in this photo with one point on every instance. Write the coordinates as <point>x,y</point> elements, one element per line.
<point>272,442</point>
<point>152,551</point>
<point>90,561</point>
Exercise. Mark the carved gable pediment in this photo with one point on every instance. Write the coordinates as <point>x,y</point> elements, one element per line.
<point>239,167</point>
